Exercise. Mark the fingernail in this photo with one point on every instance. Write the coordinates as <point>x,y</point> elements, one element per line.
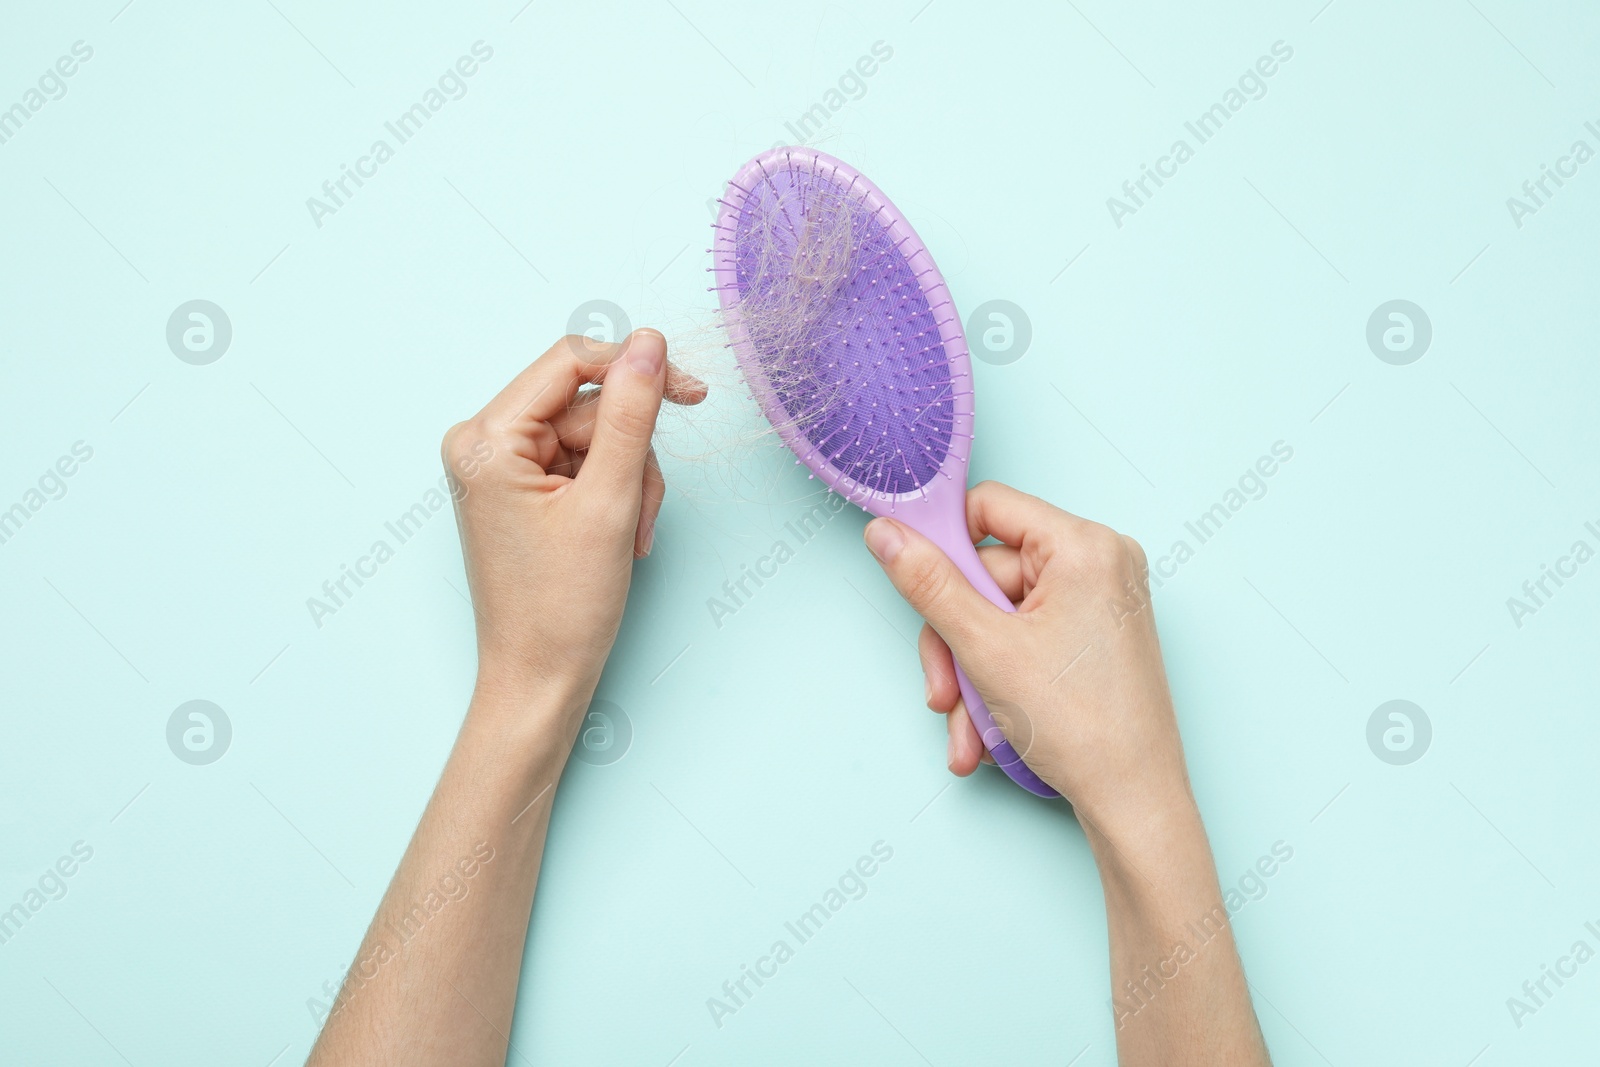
<point>927,691</point>
<point>950,753</point>
<point>646,351</point>
<point>647,542</point>
<point>885,540</point>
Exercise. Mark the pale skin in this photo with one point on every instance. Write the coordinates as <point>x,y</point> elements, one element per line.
<point>557,495</point>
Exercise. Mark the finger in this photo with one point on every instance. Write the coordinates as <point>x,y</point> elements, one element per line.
<point>684,388</point>
<point>654,492</point>
<point>965,748</point>
<point>547,385</point>
<point>936,589</point>
<point>629,402</point>
<point>574,424</point>
<point>1009,515</point>
<point>940,689</point>
<point>1004,565</point>
<point>567,465</point>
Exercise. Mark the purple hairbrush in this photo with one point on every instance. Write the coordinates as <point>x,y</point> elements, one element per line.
<point>851,344</point>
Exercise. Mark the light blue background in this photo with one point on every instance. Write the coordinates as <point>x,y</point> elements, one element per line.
<point>772,751</point>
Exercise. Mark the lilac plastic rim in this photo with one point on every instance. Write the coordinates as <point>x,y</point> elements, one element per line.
<point>939,515</point>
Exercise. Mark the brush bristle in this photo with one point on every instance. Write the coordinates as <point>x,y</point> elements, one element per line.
<point>838,329</point>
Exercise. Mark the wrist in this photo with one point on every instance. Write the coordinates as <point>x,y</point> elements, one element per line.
<point>508,758</point>
<point>506,679</point>
<point>529,715</point>
<point>1156,854</point>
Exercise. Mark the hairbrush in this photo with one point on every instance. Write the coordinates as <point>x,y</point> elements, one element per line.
<point>850,342</point>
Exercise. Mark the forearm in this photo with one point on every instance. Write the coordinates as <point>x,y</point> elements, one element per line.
<point>1178,989</point>
<point>435,979</point>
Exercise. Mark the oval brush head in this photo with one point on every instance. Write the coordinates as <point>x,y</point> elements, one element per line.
<point>843,328</point>
<point>851,344</point>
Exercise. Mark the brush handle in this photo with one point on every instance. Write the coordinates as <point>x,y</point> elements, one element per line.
<point>962,553</point>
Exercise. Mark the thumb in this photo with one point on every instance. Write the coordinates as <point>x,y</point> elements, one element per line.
<point>630,398</point>
<point>933,585</point>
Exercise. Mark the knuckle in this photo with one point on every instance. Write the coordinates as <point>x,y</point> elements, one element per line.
<point>576,344</point>
<point>925,583</point>
<point>466,449</point>
<point>452,445</point>
<point>632,418</point>
<point>585,349</point>
<point>1136,550</point>
<point>1097,554</point>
